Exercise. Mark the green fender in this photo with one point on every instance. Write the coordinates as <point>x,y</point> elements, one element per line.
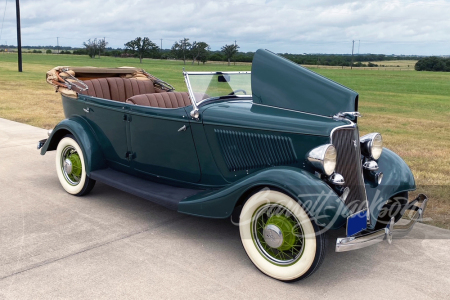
<point>397,178</point>
<point>77,126</point>
<point>321,202</point>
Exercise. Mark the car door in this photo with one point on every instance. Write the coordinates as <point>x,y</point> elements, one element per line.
<point>109,122</point>
<point>162,143</point>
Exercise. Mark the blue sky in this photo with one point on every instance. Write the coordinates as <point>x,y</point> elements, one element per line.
<point>307,26</point>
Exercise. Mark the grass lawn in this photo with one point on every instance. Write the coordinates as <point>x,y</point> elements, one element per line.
<point>410,109</point>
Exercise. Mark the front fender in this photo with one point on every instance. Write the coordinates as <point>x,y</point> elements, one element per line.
<point>321,202</point>
<point>397,178</point>
<point>93,156</point>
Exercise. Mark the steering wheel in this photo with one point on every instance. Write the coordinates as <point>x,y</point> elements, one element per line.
<point>237,91</point>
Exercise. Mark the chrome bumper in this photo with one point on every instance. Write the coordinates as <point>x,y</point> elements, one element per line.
<point>392,230</point>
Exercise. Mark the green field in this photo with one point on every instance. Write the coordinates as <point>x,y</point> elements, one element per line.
<point>411,109</point>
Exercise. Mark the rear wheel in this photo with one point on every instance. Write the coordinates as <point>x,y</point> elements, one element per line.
<point>71,168</point>
<point>279,236</point>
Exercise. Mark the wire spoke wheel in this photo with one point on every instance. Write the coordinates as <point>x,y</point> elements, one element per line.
<point>278,234</point>
<point>71,167</point>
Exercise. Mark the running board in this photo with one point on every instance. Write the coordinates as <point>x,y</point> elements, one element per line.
<point>162,194</point>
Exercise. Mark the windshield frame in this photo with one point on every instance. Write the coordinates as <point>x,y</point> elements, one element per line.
<point>196,104</point>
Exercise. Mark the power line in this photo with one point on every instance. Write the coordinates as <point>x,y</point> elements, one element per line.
<point>353,47</point>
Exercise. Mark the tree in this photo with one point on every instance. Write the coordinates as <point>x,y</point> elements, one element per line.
<point>181,48</point>
<point>199,51</point>
<point>229,51</point>
<point>141,47</point>
<point>48,51</point>
<point>101,45</point>
<point>433,63</point>
<point>91,47</point>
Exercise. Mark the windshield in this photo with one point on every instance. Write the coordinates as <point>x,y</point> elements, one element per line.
<point>206,85</point>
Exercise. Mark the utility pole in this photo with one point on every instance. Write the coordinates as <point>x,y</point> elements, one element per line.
<point>161,45</point>
<point>57,44</point>
<point>235,44</point>
<point>359,43</point>
<point>353,47</point>
<point>19,39</point>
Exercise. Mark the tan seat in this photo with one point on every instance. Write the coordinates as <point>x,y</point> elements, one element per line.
<point>117,88</point>
<point>164,100</point>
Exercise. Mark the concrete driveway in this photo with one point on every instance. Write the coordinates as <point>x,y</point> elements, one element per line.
<point>110,244</point>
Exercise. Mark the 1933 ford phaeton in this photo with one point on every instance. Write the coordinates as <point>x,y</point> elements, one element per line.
<point>278,148</point>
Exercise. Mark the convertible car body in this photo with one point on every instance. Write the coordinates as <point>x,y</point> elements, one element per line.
<point>278,149</point>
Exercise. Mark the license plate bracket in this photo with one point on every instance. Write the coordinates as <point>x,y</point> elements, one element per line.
<point>357,222</point>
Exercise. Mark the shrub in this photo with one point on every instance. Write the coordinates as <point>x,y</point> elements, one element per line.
<point>433,63</point>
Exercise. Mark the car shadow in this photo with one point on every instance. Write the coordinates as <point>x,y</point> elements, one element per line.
<point>336,268</point>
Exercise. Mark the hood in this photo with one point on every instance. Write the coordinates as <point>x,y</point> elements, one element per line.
<point>279,82</point>
<point>257,117</point>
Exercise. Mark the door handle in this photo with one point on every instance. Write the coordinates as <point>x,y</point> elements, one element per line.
<point>88,110</point>
<point>183,128</point>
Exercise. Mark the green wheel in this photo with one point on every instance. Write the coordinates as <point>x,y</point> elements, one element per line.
<point>71,169</point>
<point>279,236</point>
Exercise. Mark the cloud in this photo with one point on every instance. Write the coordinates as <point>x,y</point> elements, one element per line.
<point>325,26</point>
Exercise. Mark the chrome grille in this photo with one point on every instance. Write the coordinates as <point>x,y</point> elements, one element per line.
<point>346,142</point>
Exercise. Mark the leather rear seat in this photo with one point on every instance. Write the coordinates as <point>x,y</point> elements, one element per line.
<point>117,88</point>
<point>164,100</point>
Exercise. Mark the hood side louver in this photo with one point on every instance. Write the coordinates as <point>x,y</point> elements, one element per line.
<point>244,150</point>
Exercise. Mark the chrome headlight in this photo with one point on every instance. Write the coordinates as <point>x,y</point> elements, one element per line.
<point>372,145</point>
<point>323,158</point>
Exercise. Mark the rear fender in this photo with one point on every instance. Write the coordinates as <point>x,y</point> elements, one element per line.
<point>321,202</point>
<point>93,156</point>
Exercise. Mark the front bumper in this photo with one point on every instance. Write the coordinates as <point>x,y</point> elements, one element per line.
<point>418,207</point>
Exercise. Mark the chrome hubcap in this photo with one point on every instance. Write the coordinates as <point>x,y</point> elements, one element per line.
<point>273,236</point>
<point>71,165</point>
<point>68,166</point>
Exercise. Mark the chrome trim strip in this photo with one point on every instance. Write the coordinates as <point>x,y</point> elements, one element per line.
<point>350,125</point>
<point>297,111</point>
<point>397,230</point>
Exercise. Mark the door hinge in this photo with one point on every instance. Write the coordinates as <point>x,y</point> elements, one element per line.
<point>130,155</point>
<point>127,118</point>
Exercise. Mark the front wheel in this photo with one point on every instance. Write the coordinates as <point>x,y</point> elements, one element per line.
<point>279,236</point>
<point>71,168</point>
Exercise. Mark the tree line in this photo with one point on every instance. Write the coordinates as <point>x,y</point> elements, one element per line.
<point>433,63</point>
<point>200,51</point>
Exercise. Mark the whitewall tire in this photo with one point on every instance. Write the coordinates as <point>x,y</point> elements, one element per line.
<point>279,236</point>
<point>71,168</point>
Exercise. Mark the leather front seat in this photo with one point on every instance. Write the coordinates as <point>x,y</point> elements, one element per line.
<point>165,100</point>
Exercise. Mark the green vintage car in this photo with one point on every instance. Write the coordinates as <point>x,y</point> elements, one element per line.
<point>276,149</point>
